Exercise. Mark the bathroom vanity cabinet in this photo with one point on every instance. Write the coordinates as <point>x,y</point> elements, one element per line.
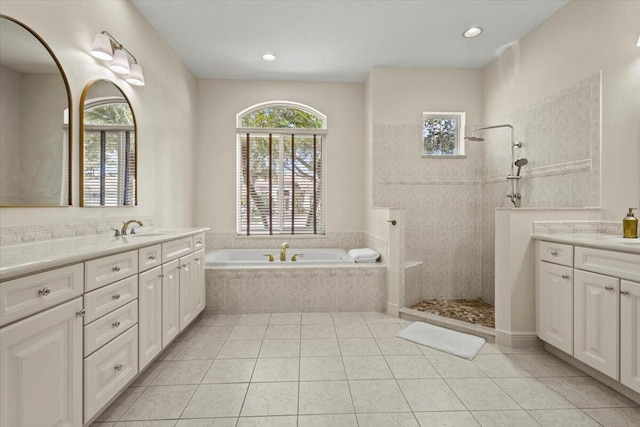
<point>73,337</point>
<point>588,306</point>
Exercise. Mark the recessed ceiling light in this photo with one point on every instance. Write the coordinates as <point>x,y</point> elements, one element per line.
<point>269,57</point>
<point>472,32</point>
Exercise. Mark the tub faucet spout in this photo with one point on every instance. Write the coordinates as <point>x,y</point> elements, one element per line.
<point>283,251</point>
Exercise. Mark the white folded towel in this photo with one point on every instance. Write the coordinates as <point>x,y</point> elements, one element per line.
<point>364,255</point>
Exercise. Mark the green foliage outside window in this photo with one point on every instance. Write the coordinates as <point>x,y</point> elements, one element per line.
<point>440,135</point>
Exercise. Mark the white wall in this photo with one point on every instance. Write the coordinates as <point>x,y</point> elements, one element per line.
<point>164,108</point>
<point>581,39</point>
<point>10,107</point>
<point>218,103</point>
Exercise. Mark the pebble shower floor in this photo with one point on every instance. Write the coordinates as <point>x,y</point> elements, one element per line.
<point>467,310</point>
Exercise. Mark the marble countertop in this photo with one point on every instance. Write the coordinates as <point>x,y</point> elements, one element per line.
<point>27,258</point>
<point>593,240</point>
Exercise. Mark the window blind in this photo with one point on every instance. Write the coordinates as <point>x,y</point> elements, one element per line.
<point>280,183</point>
<point>109,175</point>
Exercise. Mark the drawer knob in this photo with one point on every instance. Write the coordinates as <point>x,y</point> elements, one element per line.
<point>609,288</point>
<point>184,266</point>
<point>116,269</point>
<point>116,296</point>
<point>565,276</point>
<point>44,291</point>
<point>152,257</point>
<point>624,292</point>
<point>118,367</point>
<point>81,313</point>
<point>554,253</point>
<point>116,324</point>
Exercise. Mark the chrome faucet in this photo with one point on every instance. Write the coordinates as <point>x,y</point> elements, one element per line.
<point>125,225</point>
<point>283,251</point>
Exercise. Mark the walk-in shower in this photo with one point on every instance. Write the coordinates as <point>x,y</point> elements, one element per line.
<point>513,177</point>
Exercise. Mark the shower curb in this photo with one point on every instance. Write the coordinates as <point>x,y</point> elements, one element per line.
<point>489,334</point>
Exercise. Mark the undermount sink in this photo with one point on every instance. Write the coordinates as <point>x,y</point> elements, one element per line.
<point>138,236</point>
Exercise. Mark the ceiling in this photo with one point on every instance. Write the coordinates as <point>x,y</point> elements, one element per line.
<point>324,40</point>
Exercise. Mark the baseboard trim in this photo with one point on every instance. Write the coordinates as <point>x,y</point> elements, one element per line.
<point>609,382</point>
<point>510,339</point>
<point>392,309</point>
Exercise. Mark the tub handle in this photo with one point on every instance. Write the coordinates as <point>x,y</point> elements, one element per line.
<point>270,257</point>
<point>294,258</point>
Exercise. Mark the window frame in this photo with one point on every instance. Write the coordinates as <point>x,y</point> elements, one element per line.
<point>276,133</point>
<point>460,143</point>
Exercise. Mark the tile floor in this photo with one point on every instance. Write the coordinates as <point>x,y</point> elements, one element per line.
<point>348,369</point>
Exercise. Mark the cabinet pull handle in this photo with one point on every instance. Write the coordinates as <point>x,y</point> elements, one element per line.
<point>118,367</point>
<point>81,313</point>
<point>152,257</point>
<point>116,269</point>
<point>609,288</point>
<point>44,291</point>
<point>116,324</point>
<point>624,292</point>
<point>115,296</point>
<point>554,253</point>
<point>199,242</point>
<point>565,276</point>
<point>161,276</point>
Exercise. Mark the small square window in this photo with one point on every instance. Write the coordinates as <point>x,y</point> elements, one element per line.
<point>441,134</point>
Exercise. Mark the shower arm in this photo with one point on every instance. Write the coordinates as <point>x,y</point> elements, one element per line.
<point>513,142</point>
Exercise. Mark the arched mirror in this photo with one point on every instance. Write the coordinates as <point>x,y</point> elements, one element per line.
<point>35,137</point>
<point>108,147</point>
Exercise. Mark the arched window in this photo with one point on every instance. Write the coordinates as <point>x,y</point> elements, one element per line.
<point>279,169</point>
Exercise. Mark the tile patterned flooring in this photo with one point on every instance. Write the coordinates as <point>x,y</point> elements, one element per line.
<point>348,370</point>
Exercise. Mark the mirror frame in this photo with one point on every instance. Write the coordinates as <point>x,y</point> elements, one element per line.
<point>70,125</point>
<point>83,98</point>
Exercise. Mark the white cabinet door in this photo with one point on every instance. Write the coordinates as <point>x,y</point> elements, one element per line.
<point>596,311</point>
<point>199,296</point>
<point>554,305</point>
<point>170,301</point>
<point>41,369</point>
<point>630,334</point>
<point>187,309</point>
<point>150,316</point>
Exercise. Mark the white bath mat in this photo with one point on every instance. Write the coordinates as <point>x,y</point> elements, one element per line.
<point>452,342</point>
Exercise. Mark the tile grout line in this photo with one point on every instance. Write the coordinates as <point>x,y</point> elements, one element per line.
<point>346,377</point>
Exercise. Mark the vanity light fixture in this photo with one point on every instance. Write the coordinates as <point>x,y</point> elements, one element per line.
<point>269,57</point>
<point>472,32</point>
<point>107,48</point>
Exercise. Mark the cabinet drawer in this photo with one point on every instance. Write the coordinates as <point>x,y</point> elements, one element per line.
<point>106,299</point>
<point>102,271</point>
<point>198,241</point>
<point>28,295</point>
<point>556,253</point>
<point>617,264</point>
<point>108,370</point>
<point>103,330</point>
<point>176,248</point>
<point>149,257</point>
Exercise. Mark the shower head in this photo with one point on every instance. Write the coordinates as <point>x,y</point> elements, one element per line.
<point>520,163</point>
<point>473,138</point>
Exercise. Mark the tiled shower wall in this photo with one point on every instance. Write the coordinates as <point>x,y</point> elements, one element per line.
<point>441,198</point>
<point>561,139</point>
<point>450,203</point>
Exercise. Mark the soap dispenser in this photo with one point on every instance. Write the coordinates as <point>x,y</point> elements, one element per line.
<point>630,225</point>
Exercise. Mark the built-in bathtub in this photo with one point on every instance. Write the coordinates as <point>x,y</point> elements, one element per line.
<point>245,281</point>
<point>260,258</point>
